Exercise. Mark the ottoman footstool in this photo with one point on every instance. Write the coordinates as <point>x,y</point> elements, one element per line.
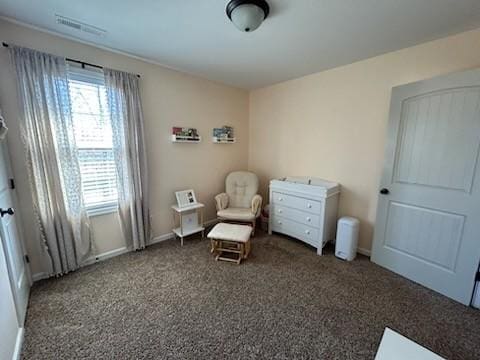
<point>230,238</point>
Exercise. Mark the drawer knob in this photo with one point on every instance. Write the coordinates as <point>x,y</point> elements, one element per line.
<point>280,199</point>
<point>307,232</point>
<point>309,219</point>
<point>280,211</point>
<point>309,206</point>
<point>279,222</point>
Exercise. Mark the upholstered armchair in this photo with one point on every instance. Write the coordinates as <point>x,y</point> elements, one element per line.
<point>240,202</point>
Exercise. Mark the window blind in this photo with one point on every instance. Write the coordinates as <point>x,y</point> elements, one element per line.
<point>93,137</point>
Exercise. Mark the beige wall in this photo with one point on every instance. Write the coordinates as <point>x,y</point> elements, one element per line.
<point>170,98</point>
<point>330,124</point>
<point>333,124</point>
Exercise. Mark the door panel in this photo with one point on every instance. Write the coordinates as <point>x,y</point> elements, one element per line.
<point>439,139</point>
<point>428,225</point>
<point>11,241</point>
<point>414,231</point>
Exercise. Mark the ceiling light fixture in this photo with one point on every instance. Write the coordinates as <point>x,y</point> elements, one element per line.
<point>247,15</point>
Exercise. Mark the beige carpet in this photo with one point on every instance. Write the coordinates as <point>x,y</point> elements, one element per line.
<point>284,302</point>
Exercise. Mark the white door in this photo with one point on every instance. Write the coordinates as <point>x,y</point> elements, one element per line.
<point>428,216</point>
<point>11,241</point>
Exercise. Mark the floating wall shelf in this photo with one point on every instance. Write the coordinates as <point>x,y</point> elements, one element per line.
<point>219,140</point>
<point>186,139</point>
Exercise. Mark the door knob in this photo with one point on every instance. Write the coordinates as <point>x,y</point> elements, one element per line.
<point>9,211</point>
<point>384,191</point>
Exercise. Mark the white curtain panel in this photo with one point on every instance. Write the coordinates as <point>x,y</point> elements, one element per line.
<point>3,127</point>
<point>52,159</point>
<point>129,150</point>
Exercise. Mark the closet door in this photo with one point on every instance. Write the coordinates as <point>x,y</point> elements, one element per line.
<point>11,241</point>
<point>428,217</point>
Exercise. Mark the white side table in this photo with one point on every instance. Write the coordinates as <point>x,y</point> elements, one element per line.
<point>190,220</point>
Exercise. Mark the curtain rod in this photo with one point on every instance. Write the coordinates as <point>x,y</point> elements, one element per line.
<point>83,63</point>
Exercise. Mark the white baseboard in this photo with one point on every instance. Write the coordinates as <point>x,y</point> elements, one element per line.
<point>39,276</point>
<point>117,252</point>
<point>161,238</point>
<point>211,222</point>
<point>106,255</point>
<point>18,344</point>
<point>91,260</point>
<point>364,251</point>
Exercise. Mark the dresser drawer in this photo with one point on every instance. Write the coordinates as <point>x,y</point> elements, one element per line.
<point>296,202</point>
<point>302,232</point>
<point>296,215</point>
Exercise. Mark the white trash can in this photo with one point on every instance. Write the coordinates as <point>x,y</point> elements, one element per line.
<point>347,238</point>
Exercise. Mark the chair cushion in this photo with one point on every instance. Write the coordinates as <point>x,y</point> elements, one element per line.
<point>241,214</point>
<point>230,232</point>
<point>241,186</point>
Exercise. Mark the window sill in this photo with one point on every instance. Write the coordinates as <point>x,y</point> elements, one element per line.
<point>102,210</point>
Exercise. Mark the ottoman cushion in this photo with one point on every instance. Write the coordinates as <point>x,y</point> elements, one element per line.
<point>230,232</point>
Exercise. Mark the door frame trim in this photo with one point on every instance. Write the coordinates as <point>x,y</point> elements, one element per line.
<point>21,239</point>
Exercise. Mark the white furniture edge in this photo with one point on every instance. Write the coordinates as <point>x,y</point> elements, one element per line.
<point>120,251</point>
<point>18,344</point>
<point>304,195</point>
<point>179,232</point>
<point>187,208</point>
<point>364,251</point>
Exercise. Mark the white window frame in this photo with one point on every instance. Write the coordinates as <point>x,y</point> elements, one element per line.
<point>93,76</point>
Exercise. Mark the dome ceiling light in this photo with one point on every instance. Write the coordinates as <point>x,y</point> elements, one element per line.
<point>247,15</point>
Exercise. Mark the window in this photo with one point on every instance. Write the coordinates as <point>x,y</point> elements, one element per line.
<point>93,137</point>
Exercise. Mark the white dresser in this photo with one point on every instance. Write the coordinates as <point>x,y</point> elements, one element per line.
<point>304,208</point>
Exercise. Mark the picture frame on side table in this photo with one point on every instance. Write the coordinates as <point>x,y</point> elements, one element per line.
<point>185,198</point>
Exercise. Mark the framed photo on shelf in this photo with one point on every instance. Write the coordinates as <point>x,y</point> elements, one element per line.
<point>185,198</point>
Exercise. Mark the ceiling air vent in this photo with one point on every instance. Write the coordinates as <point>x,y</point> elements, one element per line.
<point>77,25</point>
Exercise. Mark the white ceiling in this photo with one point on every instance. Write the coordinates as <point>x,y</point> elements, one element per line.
<point>299,37</point>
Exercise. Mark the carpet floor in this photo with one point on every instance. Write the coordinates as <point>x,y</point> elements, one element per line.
<point>284,302</point>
